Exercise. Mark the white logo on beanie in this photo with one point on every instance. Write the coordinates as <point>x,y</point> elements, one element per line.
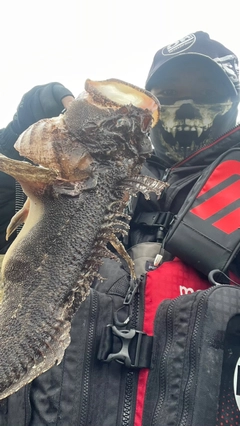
<point>179,46</point>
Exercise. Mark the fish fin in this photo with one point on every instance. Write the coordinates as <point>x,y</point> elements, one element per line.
<point>26,172</point>
<point>119,247</point>
<point>145,185</point>
<point>19,218</point>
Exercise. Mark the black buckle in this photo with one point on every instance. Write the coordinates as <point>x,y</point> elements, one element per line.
<point>130,347</point>
<point>148,218</point>
<point>123,356</point>
<point>158,220</point>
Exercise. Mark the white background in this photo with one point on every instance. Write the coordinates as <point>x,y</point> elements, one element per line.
<point>69,41</point>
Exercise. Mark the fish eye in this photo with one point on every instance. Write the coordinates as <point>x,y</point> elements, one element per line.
<point>123,122</point>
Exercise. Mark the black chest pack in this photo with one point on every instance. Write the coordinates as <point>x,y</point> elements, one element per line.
<point>176,362</point>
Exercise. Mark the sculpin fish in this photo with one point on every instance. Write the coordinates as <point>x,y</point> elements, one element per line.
<point>84,165</point>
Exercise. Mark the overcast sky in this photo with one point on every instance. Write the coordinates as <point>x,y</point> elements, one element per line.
<point>72,40</point>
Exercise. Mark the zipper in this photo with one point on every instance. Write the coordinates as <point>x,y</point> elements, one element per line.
<point>188,399</point>
<point>127,408</point>
<point>184,182</point>
<point>166,174</point>
<point>129,383</point>
<point>87,366</point>
<point>163,371</point>
<point>20,199</point>
<point>27,404</point>
<point>163,362</point>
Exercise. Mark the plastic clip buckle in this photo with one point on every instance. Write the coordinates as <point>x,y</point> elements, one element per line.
<point>123,356</point>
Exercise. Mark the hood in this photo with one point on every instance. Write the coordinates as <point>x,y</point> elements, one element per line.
<point>196,125</point>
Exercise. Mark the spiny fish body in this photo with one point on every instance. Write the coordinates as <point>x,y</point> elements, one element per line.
<point>84,166</point>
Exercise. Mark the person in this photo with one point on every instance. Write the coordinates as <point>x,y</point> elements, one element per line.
<point>43,101</point>
<point>196,81</point>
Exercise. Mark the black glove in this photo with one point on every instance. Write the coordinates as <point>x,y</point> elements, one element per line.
<point>40,102</point>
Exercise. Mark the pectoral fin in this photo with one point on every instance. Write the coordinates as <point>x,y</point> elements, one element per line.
<point>25,172</point>
<point>119,247</point>
<point>19,218</point>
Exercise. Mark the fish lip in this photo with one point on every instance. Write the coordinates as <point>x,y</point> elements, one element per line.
<point>107,94</point>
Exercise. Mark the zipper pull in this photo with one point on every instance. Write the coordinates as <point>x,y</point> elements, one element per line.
<point>165,175</point>
<point>173,220</point>
<point>133,288</point>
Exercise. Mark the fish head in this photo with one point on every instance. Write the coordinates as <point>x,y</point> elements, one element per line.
<point>113,119</point>
<point>110,120</point>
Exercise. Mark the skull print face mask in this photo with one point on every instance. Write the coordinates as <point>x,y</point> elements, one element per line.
<point>196,80</point>
<point>185,127</point>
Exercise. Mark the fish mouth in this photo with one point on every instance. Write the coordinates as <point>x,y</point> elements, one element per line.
<point>115,93</point>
